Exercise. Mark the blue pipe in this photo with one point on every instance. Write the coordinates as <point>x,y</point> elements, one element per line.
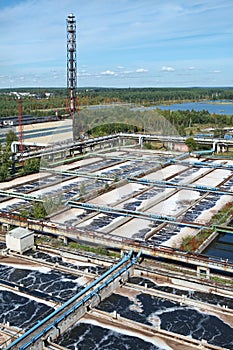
<point>123,212</point>
<point>175,185</point>
<point>80,303</point>
<point>67,303</point>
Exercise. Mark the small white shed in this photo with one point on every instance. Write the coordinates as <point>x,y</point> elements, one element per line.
<point>20,240</point>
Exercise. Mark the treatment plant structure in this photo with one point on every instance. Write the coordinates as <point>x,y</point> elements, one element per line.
<point>137,203</point>
<point>114,218</point>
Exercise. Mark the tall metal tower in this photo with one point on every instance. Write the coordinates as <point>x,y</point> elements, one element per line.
<point>20,121</point>
<point>71,62</point>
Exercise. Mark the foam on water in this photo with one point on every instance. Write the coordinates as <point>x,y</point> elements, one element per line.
<point>42,269</point>
<point>173,317</point>
<point>96,336</point>
<point>21,311</point>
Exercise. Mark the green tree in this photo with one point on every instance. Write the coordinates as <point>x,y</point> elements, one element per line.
<point>31,166</point>
<point>4,172</point>
<point>192,144</point>
<point>39,211</point>
<point>82,189</point>
<point>219,132</point>
<point>53,204</point>
<point>10,137</point>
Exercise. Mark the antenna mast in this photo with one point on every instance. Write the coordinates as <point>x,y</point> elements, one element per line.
<point>20,121</point>
<point>71,63</point>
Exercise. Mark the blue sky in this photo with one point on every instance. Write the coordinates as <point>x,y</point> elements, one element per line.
<point>120,43</point>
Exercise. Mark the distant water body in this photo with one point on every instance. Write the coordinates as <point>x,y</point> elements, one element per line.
<point>218,107</point>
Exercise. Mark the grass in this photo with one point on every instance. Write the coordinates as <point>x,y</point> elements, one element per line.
<point>192,243</point>
<point>224,281</point>
<point>56,243</point>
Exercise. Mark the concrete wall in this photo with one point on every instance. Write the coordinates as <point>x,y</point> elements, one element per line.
<point>181,147</point>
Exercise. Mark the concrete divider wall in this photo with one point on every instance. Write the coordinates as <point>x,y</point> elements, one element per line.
<point>207,242</point>
<point>196,284</point>
<point>68,322</point>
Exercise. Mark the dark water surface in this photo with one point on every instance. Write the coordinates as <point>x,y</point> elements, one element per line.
<point>59,286</point>
<point>24,311</point>
<point>90,337</point>
<point>21,311</point>
<point>173,317</point>
<point>221,247</point>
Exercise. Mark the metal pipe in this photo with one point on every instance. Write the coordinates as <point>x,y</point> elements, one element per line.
<point>69,302</point>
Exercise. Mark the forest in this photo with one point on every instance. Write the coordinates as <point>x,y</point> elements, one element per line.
<point>38,103</point>
<point>114,119</point>
<point>118,109</point>
<point>103,111</point>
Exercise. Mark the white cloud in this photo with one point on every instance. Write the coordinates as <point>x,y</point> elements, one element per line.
<point>167,69</point>
<point>123,35</point>
<point>108,72</point>
<point>141,70</point>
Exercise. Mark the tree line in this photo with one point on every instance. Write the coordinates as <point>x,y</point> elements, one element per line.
<point>101,121</point>
<point>39,104</point>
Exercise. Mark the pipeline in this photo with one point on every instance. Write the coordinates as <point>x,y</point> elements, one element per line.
<point>165,184</point>
<point>133,214</point>
<point>200,153</point>
<point>125,259</point>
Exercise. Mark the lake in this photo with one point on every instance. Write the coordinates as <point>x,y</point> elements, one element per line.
<point>218,107</point>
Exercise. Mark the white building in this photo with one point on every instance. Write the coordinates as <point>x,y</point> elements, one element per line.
<point>20,240</point>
